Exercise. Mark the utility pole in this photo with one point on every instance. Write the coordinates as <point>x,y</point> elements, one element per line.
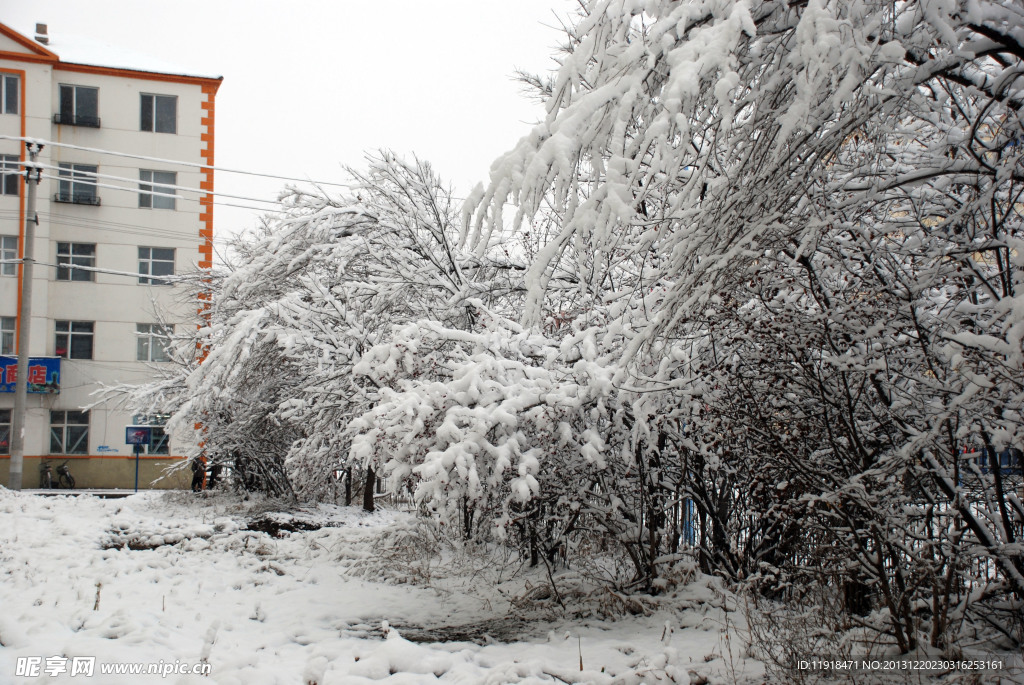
<point>24,319</point>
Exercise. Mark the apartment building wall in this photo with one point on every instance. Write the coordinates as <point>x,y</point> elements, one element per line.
<point>114,223</point>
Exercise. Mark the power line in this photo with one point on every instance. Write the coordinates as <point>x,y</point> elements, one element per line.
<point>197,165</point>
<point>80,175</point>
<point>112,226</point>
<point>174,161</point>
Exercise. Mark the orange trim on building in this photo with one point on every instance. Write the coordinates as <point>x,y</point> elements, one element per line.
<point>38,53</point>
<point>205,82</point>
<point>25,57</point>
<point>206,183</point>
<point>26,42</point>
<point>206,203</point>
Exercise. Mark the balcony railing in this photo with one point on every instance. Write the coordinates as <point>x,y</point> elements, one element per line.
<point>76,120</point>
<point>78,198</point>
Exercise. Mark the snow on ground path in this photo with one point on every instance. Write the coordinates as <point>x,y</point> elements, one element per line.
<point>175,581</point>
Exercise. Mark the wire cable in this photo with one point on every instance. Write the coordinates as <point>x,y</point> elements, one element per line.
<point>173,161</point>
<point>112,226</point>
<point>80,175</point>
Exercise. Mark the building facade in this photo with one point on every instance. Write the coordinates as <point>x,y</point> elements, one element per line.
<point>126,193</point>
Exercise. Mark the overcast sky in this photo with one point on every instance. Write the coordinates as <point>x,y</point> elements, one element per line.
<point>310,85</point>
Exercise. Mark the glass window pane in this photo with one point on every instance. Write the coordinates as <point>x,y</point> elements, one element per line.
<point>160,444</point>
<point>57,439</point>
<point>11,95</point>
<point>78,439</point>
<point>8,253</point>
<point>81,347</point>
<point>162,269</point>
<point>11,180</point>
<point>142,342</point>
<point>166,114</point>
<point>87,102</point>
<point>147,113</point>
<point>81,326</point>
<point>67,103</point>
<point>65,180</point>
<point>164,253</point>
<point>7,329</point>
<point>158,345</point>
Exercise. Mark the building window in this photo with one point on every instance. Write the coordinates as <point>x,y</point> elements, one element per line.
<point>5,431</point>
<point>9,94</point>
<point>159,113</point>
<point>74,339</point>
<point>10,167</point>
<point>160,442</point>
<point>151,343</point>
<point>69,432</point>
<point>78,184</point>
<point>8,255</point>
<point>155,190</point>
<point>76,254</point>
<point>79,106</point>
<point>155,261</point>
<point>8,328</point>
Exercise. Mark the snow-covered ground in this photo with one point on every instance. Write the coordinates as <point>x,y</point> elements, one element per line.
<point>176,580</point>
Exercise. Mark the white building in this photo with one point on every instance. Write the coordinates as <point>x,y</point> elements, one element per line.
<point>93,107</point>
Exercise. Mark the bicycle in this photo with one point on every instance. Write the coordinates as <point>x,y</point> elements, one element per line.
<point>64,477</point>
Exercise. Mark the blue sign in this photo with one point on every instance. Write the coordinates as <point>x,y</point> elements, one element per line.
<point>43,374</point>
<point>138,435</point>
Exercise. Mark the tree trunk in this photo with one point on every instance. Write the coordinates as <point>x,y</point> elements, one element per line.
<point>348,486</point>
<point>368,488</point>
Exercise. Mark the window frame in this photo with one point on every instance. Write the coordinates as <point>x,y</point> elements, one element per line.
<point>152,125</point>
<point>5,431</point>
<point>74,179</point>
<point>11,180</point>
<point>150,194</point>
<point>65,425</point>
<point>149,277</point>
<point>7,253</point>
<point>147,340</point>
<point>74,117</point>
<point>69,257</point>
<point>6,89</point>
<point>8,335</point>
<point>70,335</point>
<point>160,439</point>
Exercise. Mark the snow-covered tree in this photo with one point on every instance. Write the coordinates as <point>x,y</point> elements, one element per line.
<point>829,192</point>
<point>301,300</point>
<point>752,286</point>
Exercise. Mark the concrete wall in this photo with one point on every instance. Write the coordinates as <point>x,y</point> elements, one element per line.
<point>107,472</point>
